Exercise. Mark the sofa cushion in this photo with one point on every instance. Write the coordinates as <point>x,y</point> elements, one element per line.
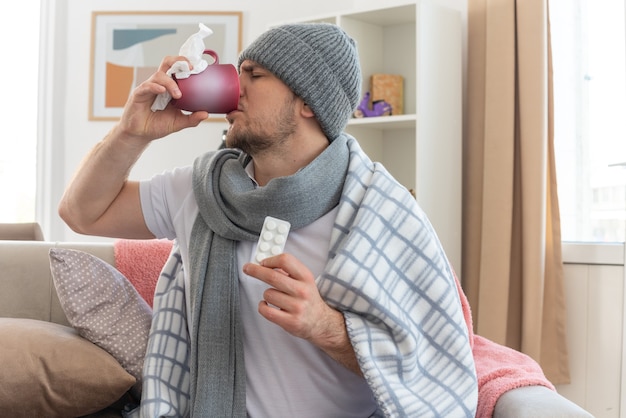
<point>103,306</point>
<point>48,370</point>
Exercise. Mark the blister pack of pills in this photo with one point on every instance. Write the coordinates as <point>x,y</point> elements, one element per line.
<point>272,239</point>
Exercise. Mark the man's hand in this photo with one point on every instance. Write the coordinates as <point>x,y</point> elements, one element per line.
<point>294,303</point>
<point>140,122</point>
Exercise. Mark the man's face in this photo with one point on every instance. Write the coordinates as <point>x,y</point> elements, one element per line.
<point>266,115</point>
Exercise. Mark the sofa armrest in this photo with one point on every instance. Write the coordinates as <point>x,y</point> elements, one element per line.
<point>536,402</point>
<point>27,231</point>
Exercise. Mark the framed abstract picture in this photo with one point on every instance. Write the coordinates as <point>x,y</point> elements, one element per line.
<point>127,47</point>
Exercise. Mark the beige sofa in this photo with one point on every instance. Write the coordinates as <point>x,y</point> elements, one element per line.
<point>26,280</point>
<point>27,291</point>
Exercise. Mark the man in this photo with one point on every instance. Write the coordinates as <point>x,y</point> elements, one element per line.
<point>360,316</point>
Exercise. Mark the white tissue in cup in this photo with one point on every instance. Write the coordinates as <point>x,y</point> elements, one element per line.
<point>214,90</point>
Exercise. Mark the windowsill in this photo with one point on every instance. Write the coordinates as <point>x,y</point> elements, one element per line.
<point>593,253</point>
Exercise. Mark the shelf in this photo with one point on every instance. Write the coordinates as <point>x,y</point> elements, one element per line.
<point>385,122</point>
<point>421,41</point>
<point>387,16</point>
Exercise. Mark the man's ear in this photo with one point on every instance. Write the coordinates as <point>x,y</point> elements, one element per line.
<point>306,111</point>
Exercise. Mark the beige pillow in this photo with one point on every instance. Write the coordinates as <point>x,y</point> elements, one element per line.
<point>103,306</point>
<point>48,370</point>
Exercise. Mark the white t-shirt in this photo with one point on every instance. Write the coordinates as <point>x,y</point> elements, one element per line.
<point>286,376</point>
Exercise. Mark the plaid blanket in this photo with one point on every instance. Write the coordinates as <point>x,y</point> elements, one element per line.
<point>165,391</point>
<point>391,279</point>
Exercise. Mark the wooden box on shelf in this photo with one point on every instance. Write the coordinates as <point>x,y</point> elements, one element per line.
<point>390,88</point>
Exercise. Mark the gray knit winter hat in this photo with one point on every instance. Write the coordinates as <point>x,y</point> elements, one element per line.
<point>320,64</point>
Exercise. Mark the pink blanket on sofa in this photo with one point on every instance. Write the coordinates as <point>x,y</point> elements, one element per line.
<point>141,261</point>
<point>499,368</point>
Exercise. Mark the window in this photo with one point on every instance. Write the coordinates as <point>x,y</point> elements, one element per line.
<point>19,36</point>
<point>588,46</point>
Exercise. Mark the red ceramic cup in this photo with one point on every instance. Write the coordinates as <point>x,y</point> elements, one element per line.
<point>214,90</point>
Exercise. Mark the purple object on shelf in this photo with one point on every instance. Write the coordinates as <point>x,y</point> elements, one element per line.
<point>379,108</point>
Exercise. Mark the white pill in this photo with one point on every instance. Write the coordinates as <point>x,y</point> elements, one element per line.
<point>272,238</point>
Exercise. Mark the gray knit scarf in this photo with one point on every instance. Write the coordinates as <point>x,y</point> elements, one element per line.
<point>232,209</point>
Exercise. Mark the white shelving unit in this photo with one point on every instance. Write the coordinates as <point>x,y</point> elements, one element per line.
<point>422,148</point>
